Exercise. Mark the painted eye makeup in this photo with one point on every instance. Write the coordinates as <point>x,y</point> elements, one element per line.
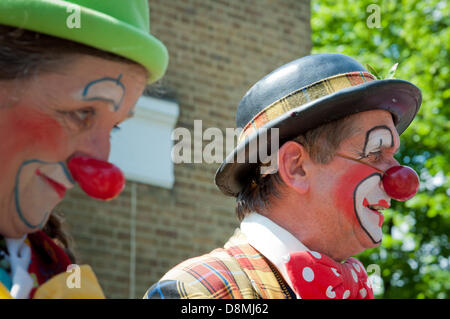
<point>372,156</point>
<point>377,138</point>
<point>79,118</point>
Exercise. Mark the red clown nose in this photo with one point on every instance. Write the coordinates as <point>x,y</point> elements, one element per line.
<point>99,179</point>
<point>401,182</point>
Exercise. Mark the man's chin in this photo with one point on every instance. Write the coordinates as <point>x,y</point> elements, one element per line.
<point>33,216</point>
<point>374,245</point>
<point>370,228</point>
<point>34,210</point>
<point>16,228</point>
<point>368,241</point>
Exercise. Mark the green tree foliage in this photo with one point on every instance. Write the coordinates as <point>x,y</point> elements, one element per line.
<point>414,256</point>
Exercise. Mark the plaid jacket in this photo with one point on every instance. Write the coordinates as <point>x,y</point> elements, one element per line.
<point>237,271</point>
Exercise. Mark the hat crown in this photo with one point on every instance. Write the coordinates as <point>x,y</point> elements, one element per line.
<point>121,27</point>
<point>135,13</point>
<point>291,77</point>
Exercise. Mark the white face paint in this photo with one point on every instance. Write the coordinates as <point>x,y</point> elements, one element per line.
<point>39,187</point>
<point>58,173</point>
<point>104,89</point>
<point>369,193</point>
<point>377,138</point>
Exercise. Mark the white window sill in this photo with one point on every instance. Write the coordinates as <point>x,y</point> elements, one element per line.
<point>142,147</point>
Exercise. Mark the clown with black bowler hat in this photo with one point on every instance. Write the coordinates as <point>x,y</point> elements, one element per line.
<point>338,128</point>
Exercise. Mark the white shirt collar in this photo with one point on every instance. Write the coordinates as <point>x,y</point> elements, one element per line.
<point>271,240</point>
<point>19,256</point>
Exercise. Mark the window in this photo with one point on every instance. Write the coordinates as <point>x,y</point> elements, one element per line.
<point>142,147</point>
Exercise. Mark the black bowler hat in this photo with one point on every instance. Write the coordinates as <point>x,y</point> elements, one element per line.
<point>305,94</point>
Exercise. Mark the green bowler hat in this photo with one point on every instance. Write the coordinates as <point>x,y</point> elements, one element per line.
<point>121,27</point>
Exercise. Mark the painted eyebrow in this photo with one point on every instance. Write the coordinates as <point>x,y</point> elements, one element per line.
<point>95,83</point>
<point>374,129</point>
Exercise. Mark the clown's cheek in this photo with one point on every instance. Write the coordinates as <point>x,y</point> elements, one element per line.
<point>343,201</point>
<point>38,134</point>
<point>34,201</point>
<point>344,192</point>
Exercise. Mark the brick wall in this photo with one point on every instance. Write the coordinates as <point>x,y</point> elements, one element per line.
<point>218,49</point>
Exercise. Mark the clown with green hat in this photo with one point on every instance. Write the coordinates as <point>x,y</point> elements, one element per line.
<point>72,71</point>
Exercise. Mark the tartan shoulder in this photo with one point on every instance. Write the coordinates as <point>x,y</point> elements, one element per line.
<point>216,275</point>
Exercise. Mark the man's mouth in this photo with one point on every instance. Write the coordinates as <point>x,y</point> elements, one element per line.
<point>58,187</point>
<point>376,208</point>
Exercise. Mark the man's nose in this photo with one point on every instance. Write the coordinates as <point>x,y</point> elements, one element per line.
<point>388,164</point>
<point>96,145</point>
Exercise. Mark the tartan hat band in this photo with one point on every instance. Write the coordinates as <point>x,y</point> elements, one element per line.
<point>305,95</point>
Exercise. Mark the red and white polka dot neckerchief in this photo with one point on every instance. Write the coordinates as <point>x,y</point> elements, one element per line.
<point>316,276</point>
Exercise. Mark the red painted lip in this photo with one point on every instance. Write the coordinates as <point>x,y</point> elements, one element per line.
<point>382,203</point>
<point>59,188</point>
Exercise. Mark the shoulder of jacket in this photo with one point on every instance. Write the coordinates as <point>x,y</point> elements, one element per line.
<point>214,275</point>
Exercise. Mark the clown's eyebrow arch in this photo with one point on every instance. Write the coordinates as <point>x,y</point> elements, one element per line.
<point>374,129</point>
<point>99,85</point>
